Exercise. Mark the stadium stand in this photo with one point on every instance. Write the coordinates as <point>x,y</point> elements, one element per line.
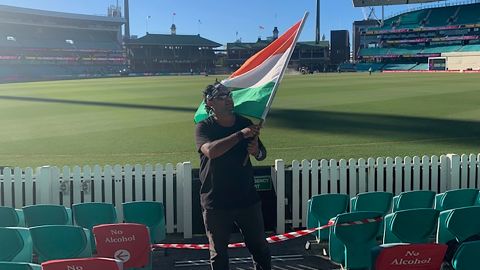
<point>407,41</point>
<point>37,45</point>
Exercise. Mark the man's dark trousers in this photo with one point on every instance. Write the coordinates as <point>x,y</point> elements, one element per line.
<point>218,225</point>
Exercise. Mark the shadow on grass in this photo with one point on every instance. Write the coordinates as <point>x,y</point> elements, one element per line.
<point>381,126</point>
<point>100,103</point>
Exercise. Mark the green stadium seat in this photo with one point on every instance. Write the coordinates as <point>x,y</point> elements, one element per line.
<point>378,201</point>
<point>464,222</point>
<point>53,242</point>
<point>351,245</point>
<point>466,256</point>
<point>9,217</point>
<point>461,224</point>
<point>323,207</point>
<point>47,214</point>
<point>410,226</point>
<point>15,245</point>
<point>150,214</point>
<point>455,198</point>
<point>413,199</point>
<point>19,266</point>
<point>88,215</point>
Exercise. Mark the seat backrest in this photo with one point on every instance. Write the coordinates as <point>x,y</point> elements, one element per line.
<point>46,214</point>
<point>408,256</point>
<point>150,214</point>
<point>456,198</point>
<point>466,256</point>
<point>377,201</point>
<point>88,215</point>
<point>19,266</point>
<point>15,245</point>
<point>412,226</point>
<point>414,199</point>
<point>127,242</point>
<point>8,217</point>
<point>323,207</point>
<point>464,222</point>
<point>358,239</point>
<point>53,242</point>
<point>84,264</point>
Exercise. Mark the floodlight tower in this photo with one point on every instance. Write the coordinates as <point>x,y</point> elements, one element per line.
<point>317,27</point>
<point>127,19</point>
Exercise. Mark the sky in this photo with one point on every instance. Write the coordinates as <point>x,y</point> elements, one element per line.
<point>221,21</point>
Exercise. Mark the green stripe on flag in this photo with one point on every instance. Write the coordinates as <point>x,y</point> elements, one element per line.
<point>248,102</point>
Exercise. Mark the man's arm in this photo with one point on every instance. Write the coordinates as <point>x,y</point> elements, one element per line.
<point>221,146</point>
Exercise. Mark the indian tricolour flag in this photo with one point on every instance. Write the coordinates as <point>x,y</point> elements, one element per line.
<point>254,84</point>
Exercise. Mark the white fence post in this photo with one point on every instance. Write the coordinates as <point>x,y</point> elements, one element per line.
<point>44,186</point>
<point>187,200</point>
<point>454,171</point>
<point>280,188</point>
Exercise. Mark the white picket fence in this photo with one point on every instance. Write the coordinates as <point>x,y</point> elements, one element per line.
<point>353,176</point>
<point>66,186</point>
<point>294,184</point>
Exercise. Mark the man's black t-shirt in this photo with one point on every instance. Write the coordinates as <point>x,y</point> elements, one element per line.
<point>226,183</point>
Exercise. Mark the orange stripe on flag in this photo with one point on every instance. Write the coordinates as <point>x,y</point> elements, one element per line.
<point>278,46</point>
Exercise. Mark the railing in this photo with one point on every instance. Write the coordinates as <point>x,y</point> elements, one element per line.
<point>312,177</point>
<point>424,6</point>
<point>117,184</point>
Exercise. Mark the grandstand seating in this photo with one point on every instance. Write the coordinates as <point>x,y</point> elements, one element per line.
<point>88,215</point>
<point>413,199</point>
<point>351,245</point>
<point>421,66</point>
<point>466,256</point>
<point>151,214</point>
<point>47,214</point>
<point>8,217</point>
<point>456,198</point>
<point>53,242</point>
<point>15,245</point>
<point>19,266</point>
<point>410,226</point>
<point>323,207</point>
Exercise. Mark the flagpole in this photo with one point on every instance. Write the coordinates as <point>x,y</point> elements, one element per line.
<point>275,87</point>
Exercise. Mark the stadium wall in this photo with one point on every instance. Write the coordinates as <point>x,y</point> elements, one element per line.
<point>462,60</point>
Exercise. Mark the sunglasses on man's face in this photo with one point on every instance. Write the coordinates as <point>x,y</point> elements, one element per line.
<point>223,96</point>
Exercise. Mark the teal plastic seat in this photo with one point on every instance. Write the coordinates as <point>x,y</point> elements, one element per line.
<point>351,245</point>
<point>413,199</point>
<point>150,214</point>
<point>88,215</point>
<point>323,207</point>
<point>15,245</point>
<point>410,226</point>
<point>459,223</point>
<point>47,214</point>
<point>53,242</point>
<point>377,201</point>
<point>9,217</point>
<point>464,222</point>
<point>466,256</point>
<point>456,198</point>
<point>19,266</point>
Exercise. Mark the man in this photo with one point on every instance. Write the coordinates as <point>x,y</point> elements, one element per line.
<point>225,141</point>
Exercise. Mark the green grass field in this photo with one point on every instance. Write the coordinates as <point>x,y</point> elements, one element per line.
<point>149,119</point>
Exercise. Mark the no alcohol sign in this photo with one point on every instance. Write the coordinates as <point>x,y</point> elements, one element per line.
<point>127,242</point>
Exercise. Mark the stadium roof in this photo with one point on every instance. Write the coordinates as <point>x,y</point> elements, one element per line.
<point>371,3</point>
<point>63,15</point>
<point>264,43</point>
<point>168,39</point>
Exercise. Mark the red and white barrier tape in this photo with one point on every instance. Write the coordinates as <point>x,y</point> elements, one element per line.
<point>272,239</point>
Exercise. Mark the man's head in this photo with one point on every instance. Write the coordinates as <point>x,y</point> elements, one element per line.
<point>218,98</point>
